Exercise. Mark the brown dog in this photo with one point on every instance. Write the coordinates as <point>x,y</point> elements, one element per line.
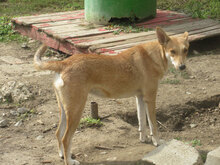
<point>134,72</point>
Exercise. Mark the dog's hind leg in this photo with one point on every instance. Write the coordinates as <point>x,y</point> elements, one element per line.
<point>150,102</point>
<point>62,125</point>
<point>141,113</point>
<point>73,98</point>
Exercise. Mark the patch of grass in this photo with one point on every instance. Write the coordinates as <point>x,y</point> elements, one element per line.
<point>170,81</point>
<point>7,33</point>
<point>14,8</point>
<point>26,115</point>
<point>90,122</point>
<point>204,157</point>
<point>197,8</point>
<point>184,74</point>
<point>29,7</point>
<point>195,143</point>
<point>178,138</point>
<point>203,8</point>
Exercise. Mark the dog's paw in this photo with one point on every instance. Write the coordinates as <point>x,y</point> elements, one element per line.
<point>157,142</point>
<point>143,137</point>
<point>61,155</point>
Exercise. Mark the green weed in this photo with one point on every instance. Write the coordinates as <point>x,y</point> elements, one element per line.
<point>28,7</point>
<point>195,143</point>
<point>203,8</point>
<point>178,138</point>
<point>126,28</point>
<point>7,33</point>
<point>197,8</point>
<point>203,156</point>
<point>90,122</point>
<point>26,115</point>
<point>170,81</point>
<point>184,74</point>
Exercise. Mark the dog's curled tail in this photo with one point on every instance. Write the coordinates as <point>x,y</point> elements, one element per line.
<point>50,65</point>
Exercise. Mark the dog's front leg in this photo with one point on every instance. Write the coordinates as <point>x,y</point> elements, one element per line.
<point>141,114</point>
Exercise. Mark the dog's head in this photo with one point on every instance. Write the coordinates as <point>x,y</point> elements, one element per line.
<point>176,48</point>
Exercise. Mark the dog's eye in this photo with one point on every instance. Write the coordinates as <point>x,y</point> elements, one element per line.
<point>185,50</point>
<point>173,52</point>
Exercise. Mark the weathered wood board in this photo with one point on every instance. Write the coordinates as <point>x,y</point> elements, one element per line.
<point>68,32</point>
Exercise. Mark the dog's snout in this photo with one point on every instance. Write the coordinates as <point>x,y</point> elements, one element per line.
<point>182,67</point>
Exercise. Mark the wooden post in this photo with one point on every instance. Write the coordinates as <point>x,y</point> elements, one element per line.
<point>94,110</point>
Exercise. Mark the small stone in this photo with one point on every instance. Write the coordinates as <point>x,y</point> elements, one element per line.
<point>40,122</point>
<point>54,125</point>
<point>192,77</point>
<point>196,52</point>
<point>40,137</point>
<point>14,113</point>
<point>103,153</point>
<point>111,159</point>
<point>193,125</point>
<point>188,93</point>
<point>18,124</point>
<point>22,110</point>
<point>3,123</point>
<point>24,46</point>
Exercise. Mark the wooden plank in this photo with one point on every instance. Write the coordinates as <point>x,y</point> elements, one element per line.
<point>163,19</point>
<point>83,33</point>
<point>213,30</point>
<point>69,28</point>
<point>48,19</point>
<point>199,23</point>
<point>114,39</point>
<point>59,23</point>
<point>182,27</point>
<point>168,23</point>
<point>25,18</point>
<point>203,35</point>
<point>151,35</point>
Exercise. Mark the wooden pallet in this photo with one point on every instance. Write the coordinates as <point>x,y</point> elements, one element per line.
<point>68,32</point>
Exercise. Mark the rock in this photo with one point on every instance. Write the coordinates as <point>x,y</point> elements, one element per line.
<point>24,46</point>
<point>40,122</point>
<point>40,137</point>
<point>174,152</point>
<point>3,123</point>
<point>18,124</point>
<point>103,153</point>
<point>188,93</point>
<point>111,159</point>
<point>15,91</point>
<point>213,157</point>
<point>192,77</point>
<point>193,125</point>
<point>14,113</point>
<point>22,110</point>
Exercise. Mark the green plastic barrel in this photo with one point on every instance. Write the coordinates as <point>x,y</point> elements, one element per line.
<point>102,11</point>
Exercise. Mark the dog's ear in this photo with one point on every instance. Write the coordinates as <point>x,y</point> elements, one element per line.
<point>163,38</point>
<point>186,35</point>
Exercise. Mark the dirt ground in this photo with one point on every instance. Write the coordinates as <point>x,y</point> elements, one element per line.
<point>188,109</point>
